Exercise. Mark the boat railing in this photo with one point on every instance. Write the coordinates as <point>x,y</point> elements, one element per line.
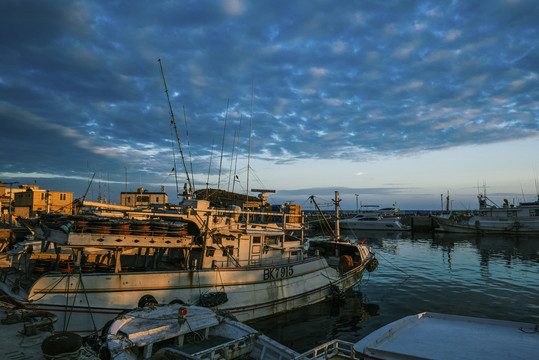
<point>259,262</point>
<point>336,349</point>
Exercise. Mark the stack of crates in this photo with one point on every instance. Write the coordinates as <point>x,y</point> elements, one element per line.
<point>295,210</point>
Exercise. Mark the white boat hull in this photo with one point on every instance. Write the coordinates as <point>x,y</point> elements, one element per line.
<point>441,336</point>
<point>490,226</point>
<point>380,225</point>
<point>252,292</point>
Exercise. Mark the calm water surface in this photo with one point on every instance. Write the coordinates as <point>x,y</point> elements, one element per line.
<point>491,277</point>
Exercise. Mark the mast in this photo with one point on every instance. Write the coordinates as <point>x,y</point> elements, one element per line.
<point>173,121</point>
<point>337,224</point>
<point>231,160</point>
<point>237,150</point>
<point>209,170</point>
<point>222,146</point>
<point>250,131</point>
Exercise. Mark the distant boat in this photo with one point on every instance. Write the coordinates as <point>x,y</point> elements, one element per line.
<point>382,219</point>
<point>508,219</point>
<point>441,336</point>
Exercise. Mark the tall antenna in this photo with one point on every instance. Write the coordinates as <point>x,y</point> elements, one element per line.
<point>250,130</point>
<point>222,146</point>
<point>174,123</point>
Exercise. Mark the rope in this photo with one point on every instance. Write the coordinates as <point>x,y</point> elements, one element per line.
<point>67,302</point>
<point>88,303</point>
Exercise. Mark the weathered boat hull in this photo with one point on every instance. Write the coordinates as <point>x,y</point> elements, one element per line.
<point>84,302</point>
<point>487,226</point>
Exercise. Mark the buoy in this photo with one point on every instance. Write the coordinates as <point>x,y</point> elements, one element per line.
<point>346,263</point>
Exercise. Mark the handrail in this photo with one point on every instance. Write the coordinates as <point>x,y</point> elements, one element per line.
<point>331,349</point>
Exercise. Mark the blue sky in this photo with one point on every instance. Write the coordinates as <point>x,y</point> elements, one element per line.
<point>394,101</point>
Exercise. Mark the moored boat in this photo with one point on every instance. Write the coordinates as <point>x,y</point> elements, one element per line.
<point>242,261</point>
<point>372,218</point>
<point>441,336</point>
<point>508,219</point>
<point>185,332</point>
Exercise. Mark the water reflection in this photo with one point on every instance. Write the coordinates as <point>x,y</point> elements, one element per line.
<point>484,276</point>
<point>305,328</point>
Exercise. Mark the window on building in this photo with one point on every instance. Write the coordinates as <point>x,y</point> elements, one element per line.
<point>42,196</point>
<point>256,239</point>
<point>157,199</point>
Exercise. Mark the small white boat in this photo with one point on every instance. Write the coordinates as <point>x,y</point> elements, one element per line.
<point>441,336</point>
<point>374,220</point>
<point>186,332</point>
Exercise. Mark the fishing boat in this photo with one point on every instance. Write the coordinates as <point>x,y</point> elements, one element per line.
<point>441,336</point>
<point>243,261</point>
<point>185,332</point>
<point>490,219</point>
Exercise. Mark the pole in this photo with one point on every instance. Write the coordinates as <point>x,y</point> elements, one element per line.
<point>11,198</point>
<point>250,132</point>
<point>337,224</point>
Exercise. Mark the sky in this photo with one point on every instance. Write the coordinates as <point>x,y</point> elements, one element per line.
<point>384,101</point>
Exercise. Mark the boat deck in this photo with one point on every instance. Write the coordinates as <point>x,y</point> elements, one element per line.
<point>439,336</point>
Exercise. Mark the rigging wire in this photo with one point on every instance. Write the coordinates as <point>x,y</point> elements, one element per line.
<point>189,148</point>
<point>174,158</point>
<point>175,127</point>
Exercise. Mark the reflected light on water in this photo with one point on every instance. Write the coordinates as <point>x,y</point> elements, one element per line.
<point>491,277</point>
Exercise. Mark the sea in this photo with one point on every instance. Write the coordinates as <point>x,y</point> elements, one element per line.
<point>493,277</point>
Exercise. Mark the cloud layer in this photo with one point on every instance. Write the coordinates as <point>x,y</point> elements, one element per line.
<point>81,89</point>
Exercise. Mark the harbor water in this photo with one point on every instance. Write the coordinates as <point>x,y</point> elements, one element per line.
<point>483,276</point>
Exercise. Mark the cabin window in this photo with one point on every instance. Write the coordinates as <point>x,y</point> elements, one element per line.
<point>42,196</point>
<point>157,200</point>
<point>143,198</point>
<point>257,239</point>
<point>272,240</point>
<point>228,250</point>
<point>210,251</point>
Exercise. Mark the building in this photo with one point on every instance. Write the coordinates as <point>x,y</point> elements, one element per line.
<point>34,201</point>
<point>7,196</point>
<point>143,198</point>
